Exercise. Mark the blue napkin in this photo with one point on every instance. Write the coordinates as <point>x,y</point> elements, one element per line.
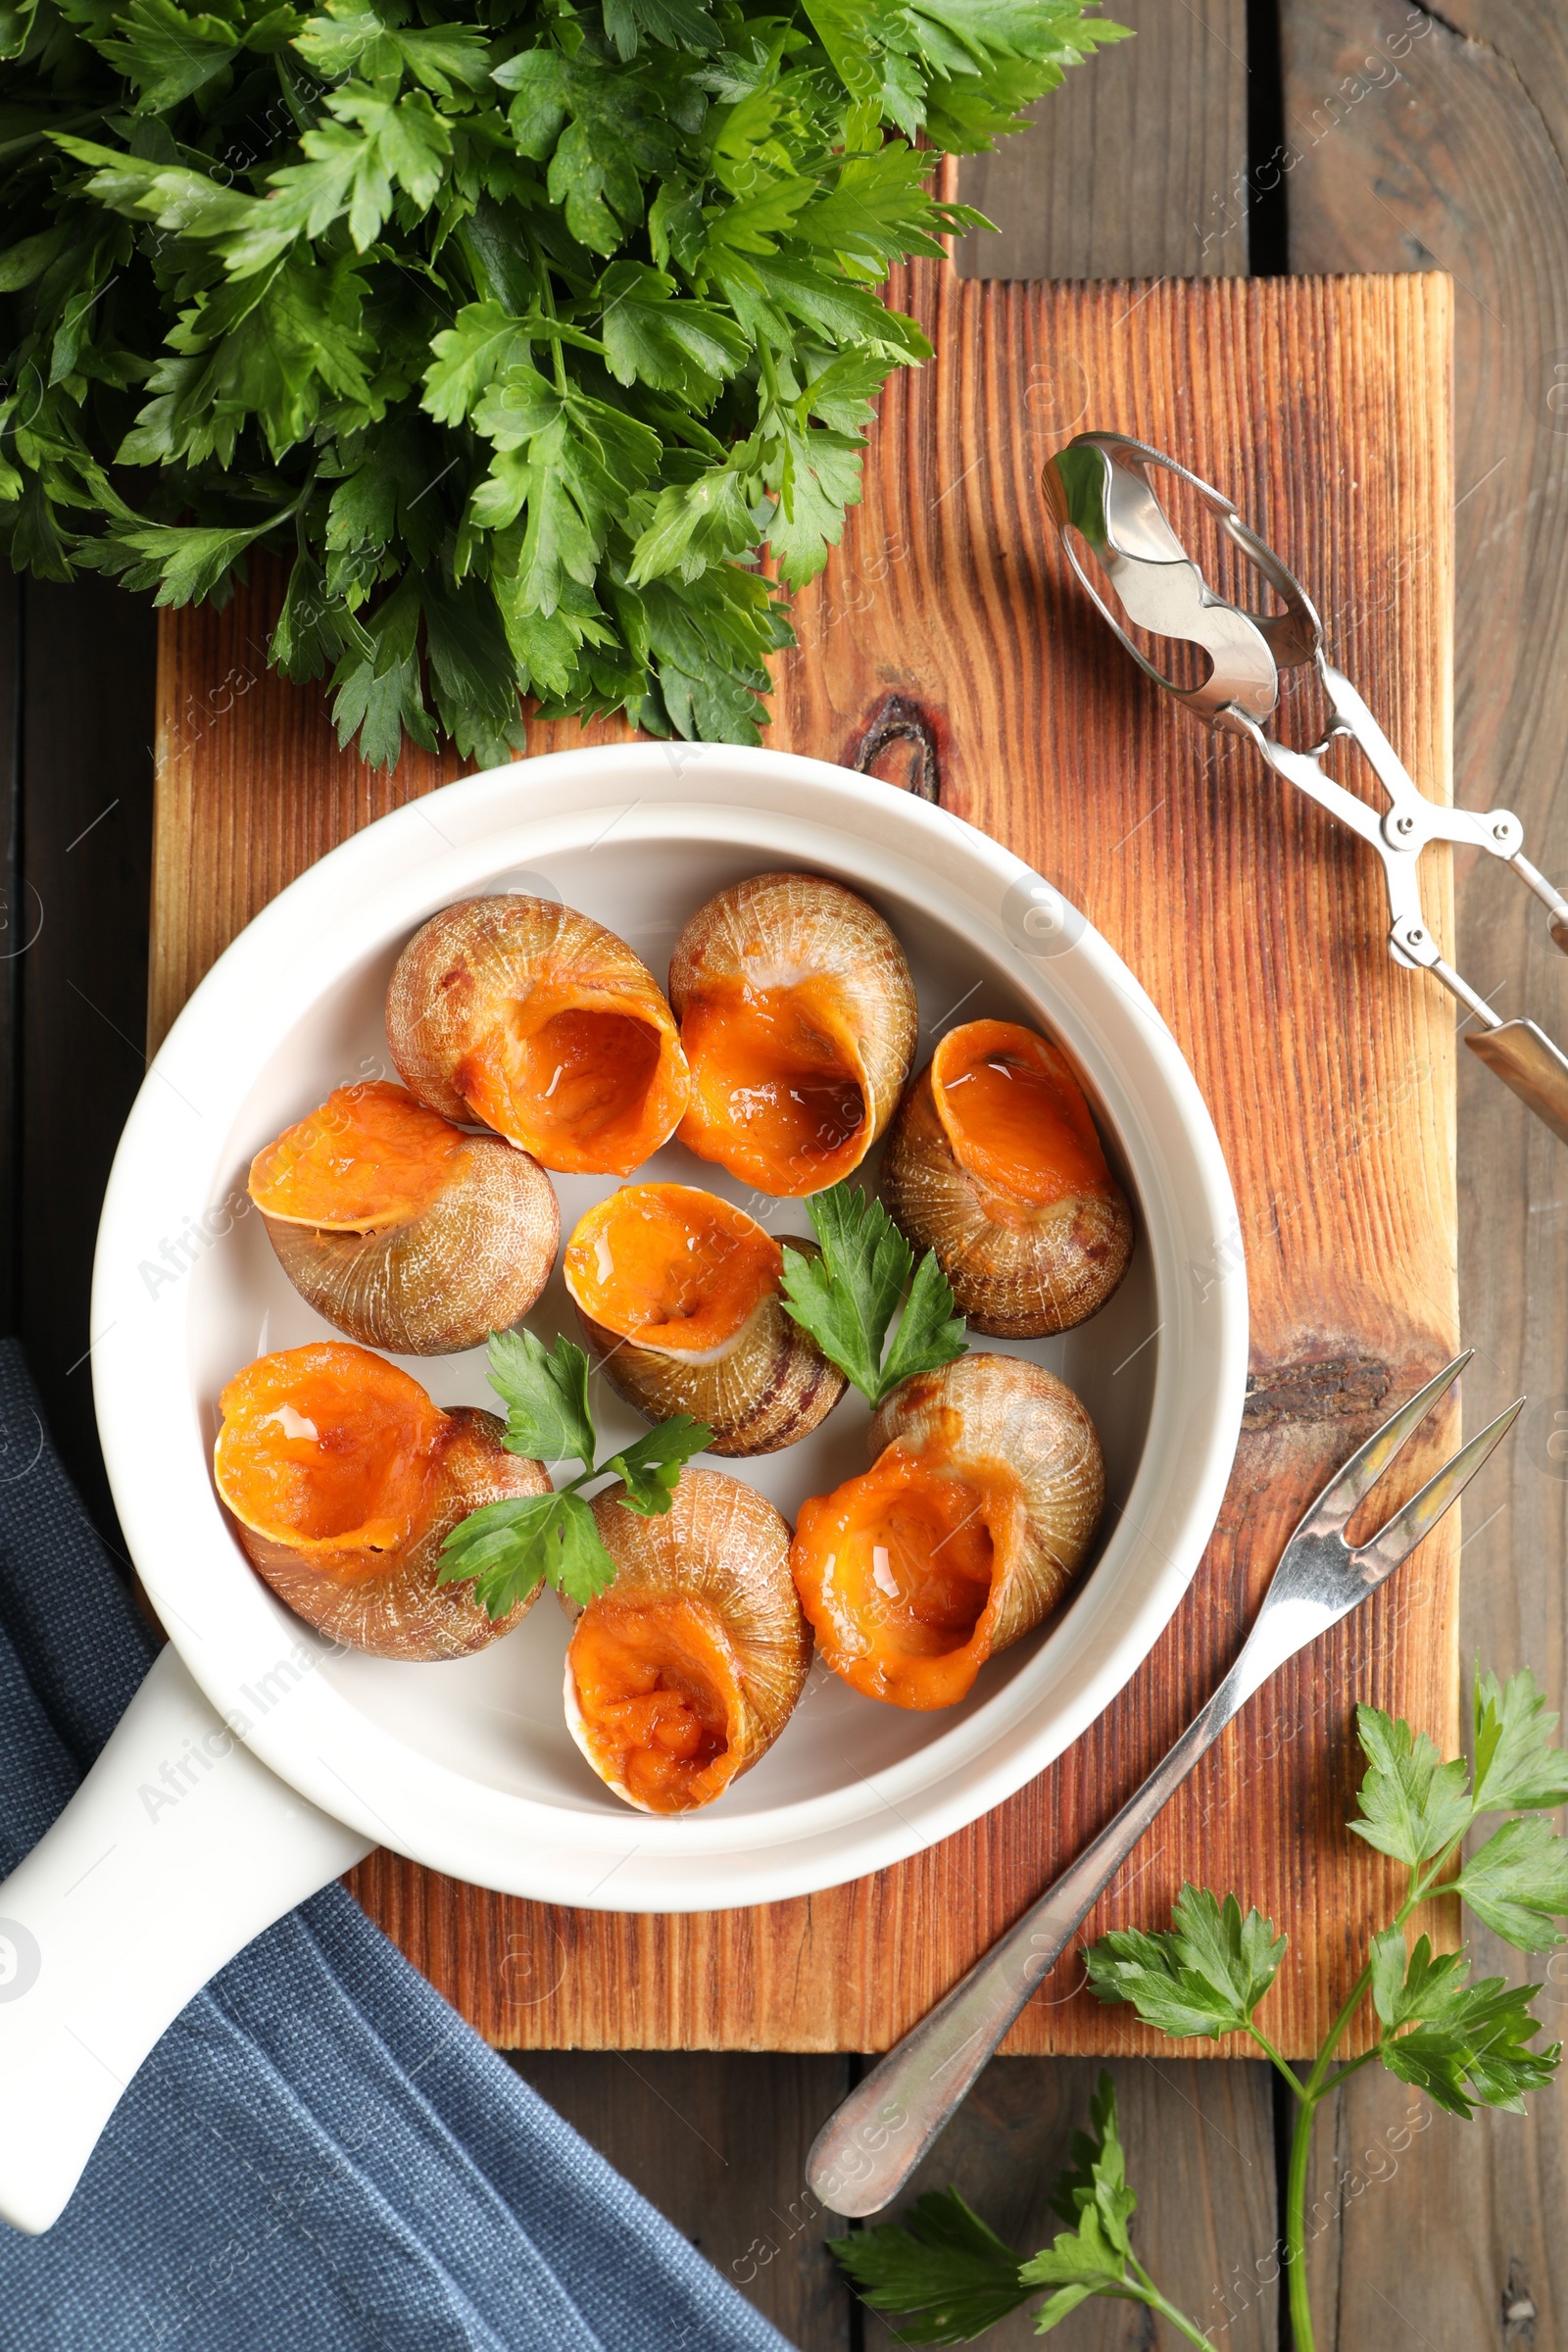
<point>320,2155</point>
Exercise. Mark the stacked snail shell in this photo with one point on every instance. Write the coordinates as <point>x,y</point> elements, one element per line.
<point>799,1021</point>
<point>994,1164</point>
<point>538,1021</point>
<point>684,1673</point>
<point>344,1481</point>
<point>399,1228</point>
<point>984,1493</point>
<point>679,1298</point>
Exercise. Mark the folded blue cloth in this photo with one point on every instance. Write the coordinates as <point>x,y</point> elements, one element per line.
<point>320,2155</point>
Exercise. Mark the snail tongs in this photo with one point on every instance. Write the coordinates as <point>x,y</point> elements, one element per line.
<point>1100,493</point>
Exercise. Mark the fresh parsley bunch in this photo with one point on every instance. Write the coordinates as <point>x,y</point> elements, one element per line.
<point>847,1296</point>
<point>521,327</point>
<point>508,1547</point>
<point>1461,2039</point>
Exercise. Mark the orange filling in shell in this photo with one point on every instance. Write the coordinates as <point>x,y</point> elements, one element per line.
<point>369,1156</point>
<point>1014,1113</point>
<point>670,1266</point>
<point>658,1691</point>
<point>327,1448</point>
<point>590,1090</point>
<point>776,1092</point>
<point>895,1570</point>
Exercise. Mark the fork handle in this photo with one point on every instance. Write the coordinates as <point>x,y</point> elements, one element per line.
<point>1526,1059</point>
<point>871,2144</point>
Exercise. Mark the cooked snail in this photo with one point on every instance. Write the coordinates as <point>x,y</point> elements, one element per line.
<point>543,1024</point>
<point>678,1295</point>
<point>345,1480</point>
<point>683,1675</point>
<point>401,1230</point>
<point>797,1018</point>
<point>985,1489</point>
<point>994,1164</point>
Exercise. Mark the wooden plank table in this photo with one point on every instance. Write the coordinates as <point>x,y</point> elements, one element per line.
<point>1424,139</point>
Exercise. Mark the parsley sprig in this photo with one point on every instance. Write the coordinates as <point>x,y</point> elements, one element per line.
<point>1464,2040</point>
<point>518,331</point>
<point>955,2278</point>
<point>508,1547</point>
<point>847,1297</point>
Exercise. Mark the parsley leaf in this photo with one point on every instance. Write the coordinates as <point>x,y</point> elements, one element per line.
<point>1097,2255</point>
<point>847,1297</point>
<point>1413,1803</point>
<point>653,1463</point>
<point>1206,1973</point>
<point>931,1331</point>
<point>545,1391</point>
<point>508,1547</point>
<point>1516,1763</point>
<point>1407,1985</point>
<point>1518,1883</point>
<point>1469,2050</point>
<point>942,2267</point>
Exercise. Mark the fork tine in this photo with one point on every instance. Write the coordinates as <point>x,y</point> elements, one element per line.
<point>1382,1553</point>
<point>1366,1466</point>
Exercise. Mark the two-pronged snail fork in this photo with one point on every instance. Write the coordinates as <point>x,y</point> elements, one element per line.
<point>1101,495</point>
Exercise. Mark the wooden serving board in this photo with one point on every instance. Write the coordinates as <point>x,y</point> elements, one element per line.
<point>947,649</point>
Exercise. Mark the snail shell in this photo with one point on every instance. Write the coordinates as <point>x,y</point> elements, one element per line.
<point>994,1164</point>
<point>678,1295</point>
<point>683,1675</point>
<point>985,1489</point>
<point>400,1230</point>
<point>543,1024</point>
<point>799,1020</point>
<point>345,1480</point>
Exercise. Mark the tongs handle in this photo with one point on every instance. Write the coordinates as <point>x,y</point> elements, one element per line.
<point>1101,495</point>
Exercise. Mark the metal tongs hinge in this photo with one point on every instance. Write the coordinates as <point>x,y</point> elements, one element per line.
<point>1100,494</point>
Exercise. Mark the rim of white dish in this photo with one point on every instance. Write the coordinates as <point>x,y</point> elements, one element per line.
<point>380,885</point>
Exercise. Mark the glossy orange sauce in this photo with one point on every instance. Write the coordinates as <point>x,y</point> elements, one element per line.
<point>588,1089</point>
<point>776,1096</point>
<point>656,1687</point>
<point>327,1447</point>
<point>670,1266</point>
<point>894,1571</point>
<point>370,1156</point>
<point>1014,1113</point>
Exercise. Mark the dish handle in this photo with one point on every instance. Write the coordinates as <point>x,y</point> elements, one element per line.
<point>177,1849</point>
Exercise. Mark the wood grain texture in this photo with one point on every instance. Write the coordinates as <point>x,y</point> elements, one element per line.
<point>719,2145</point>
<point>1464,162</point>
<point>1135,167</point>
<point>1258,933</point>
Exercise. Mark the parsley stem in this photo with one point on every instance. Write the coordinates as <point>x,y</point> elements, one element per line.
<point>1350,2067</point>
<point>1282,2064</point>
<point>547,302</point>
<point>1156,2301</point>
<point>1421,1887</point>
<point>1314,2088</point>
